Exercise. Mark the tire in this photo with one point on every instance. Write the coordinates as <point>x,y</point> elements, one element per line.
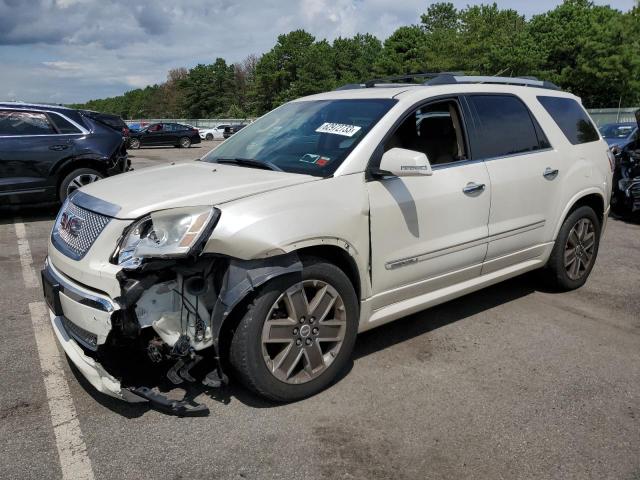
<point>248,352</point>
<point>185,142</point>
<point>565,270</point>
<point>209,136</point>
<point>134,144</point>
<point>76,179</point>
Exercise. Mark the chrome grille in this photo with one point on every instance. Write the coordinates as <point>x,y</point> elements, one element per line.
<point>76,229</point>
<point>86,339</point>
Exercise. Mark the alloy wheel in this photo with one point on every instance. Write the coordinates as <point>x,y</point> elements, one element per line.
<point>185,143</point>
<point>304,331</point>
<point>579,249</point>
<point>80,181</point>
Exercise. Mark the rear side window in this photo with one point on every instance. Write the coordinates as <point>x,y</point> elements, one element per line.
<point>63,125</point>
<point>24,123</point>
<point>506,127</point>
<point>571,118</point>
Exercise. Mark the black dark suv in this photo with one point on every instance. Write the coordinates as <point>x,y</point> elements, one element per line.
<point>158,134</point>
<point>47,152</point>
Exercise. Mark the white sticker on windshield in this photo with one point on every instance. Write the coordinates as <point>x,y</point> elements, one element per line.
<point>338,129</point>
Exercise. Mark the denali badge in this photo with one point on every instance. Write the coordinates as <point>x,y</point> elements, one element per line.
<point>71,223</point>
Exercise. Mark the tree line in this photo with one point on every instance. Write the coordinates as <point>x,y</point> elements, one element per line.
<point>590,50</point>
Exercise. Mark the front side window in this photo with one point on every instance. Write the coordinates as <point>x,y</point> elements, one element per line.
<point>311,137</point>
<point>505,127</point>
<point>571,118</point>
<point>24,123</point>
<point>435,130</point>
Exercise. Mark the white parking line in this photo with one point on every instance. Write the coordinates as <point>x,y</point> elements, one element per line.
<point>28,273</point>
<point>72,451</point>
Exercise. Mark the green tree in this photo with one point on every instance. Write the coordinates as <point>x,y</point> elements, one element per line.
<point>403,52</point>
<point>354,58</point>
<point>591,51</point>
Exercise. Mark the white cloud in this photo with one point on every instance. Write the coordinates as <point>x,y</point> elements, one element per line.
<point>74,50</point>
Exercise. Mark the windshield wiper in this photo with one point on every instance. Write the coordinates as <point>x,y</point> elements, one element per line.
<point>249,162</point>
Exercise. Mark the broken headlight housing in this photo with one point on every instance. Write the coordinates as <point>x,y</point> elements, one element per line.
<point>172,233</point>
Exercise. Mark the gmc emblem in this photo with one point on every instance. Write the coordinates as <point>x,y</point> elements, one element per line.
<point>71,223</point>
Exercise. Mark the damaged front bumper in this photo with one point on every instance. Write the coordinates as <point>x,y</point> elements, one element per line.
<point>91,369</point>
<point>169,317</point>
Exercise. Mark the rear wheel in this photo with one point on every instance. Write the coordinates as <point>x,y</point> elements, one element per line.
<point>298,334</point>
<point>77,179</point>
<point>575,250</point>
<point>185,142</point>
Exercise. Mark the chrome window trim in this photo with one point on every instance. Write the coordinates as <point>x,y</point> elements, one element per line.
<point>83,130</point>
<point>79,294</point>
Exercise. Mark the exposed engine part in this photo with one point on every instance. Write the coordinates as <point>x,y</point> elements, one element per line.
<point>184,371</point>
<point>181,347</point>
<point>154,350</point>
<point>215,379</point>
<point>172,373</point>
<point>196,285</point>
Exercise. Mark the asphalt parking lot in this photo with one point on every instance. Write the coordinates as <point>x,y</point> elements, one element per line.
<point>509,382</point>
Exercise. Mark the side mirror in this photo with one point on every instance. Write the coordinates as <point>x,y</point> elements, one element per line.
<point>404,163</point>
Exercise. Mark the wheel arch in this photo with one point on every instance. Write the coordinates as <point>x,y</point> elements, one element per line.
<point>592,198</point>
<point>63,169</point>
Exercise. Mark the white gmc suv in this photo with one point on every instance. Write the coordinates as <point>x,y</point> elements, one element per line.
<point>331,215</point>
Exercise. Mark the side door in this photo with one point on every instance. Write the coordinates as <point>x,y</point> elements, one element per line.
<point>30,146</point>
<point>172,133</point>
<point>524,172</point>
<point>429,232</point>
<point>153,135</point>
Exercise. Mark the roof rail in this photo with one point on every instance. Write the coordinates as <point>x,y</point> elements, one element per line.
<point>407,80</point>
<point>449,79</point>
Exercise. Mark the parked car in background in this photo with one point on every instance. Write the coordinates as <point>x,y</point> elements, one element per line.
<point>47,152</point>
<point>619,135</point>
<point>214,133</point>
<point>110,120</point>
<point>626,178</point>
<point>232,129</point>
<point>157,134</point>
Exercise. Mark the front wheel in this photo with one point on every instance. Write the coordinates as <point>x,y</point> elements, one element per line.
<point>134,144</point>
<point>575,250</point>
<point>297,334</point>
<point>209,136</point>
<point>185,142</point>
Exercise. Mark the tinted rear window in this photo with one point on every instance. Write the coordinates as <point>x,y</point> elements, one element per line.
<point>63,125</point>
<point>571,118</point>
<point>506,127</point>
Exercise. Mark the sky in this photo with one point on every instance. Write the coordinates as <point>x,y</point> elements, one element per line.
<point>65,51</point>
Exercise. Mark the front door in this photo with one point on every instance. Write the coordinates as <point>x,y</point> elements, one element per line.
<point>429,232</point>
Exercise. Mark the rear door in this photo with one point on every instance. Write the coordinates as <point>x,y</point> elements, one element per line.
<point>524,172</point>
<point>30,146</point>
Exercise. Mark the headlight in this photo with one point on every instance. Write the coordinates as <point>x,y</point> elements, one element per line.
<point>165,234</point>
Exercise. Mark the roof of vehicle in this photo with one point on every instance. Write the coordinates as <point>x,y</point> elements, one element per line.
<point>407,91</point>
<point>34,106</point>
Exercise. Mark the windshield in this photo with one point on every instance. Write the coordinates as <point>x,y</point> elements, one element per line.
<point>310,137</point>
<point>617,130</point>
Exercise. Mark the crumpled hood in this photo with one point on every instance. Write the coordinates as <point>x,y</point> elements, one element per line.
<point>185,184</point>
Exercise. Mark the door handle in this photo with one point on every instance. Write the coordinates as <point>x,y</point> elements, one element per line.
<point>550,173</point>
<point>473,187</point>
<point>57,148</point>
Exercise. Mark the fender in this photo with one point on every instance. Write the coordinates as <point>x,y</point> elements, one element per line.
<point>574,200</point>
